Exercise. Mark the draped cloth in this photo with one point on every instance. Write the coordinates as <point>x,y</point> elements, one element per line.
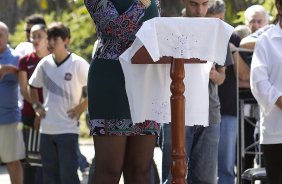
<point>148,86</point>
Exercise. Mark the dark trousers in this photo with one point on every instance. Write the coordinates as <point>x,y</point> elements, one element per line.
<point>32,174</point>
<point>273,162</point>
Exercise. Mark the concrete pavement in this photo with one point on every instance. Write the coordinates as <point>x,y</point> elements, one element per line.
<point>87,149</point>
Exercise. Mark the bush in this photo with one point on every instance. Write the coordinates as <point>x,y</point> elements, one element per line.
<point>83,34</point>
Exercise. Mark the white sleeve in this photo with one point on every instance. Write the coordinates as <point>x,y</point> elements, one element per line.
<point>24,48</point>
<point>36,79</point>
<point>265,93</point>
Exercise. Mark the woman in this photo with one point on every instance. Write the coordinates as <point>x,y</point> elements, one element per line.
<point>120,145</point>
<point>266,86</point>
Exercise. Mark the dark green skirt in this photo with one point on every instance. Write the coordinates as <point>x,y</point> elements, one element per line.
<point>107,97</point>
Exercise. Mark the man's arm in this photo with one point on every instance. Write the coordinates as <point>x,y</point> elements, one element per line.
<point>80,108</point>
<point>279,102</point>
<point>217,75</point>
<point>36,104</point>
<point>6,69</point>
<point>23,82</point>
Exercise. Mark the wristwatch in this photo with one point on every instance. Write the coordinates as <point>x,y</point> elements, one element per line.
<point>36,106</point>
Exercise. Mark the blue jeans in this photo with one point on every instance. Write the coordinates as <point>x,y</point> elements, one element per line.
<point>201,150</point>
<point>227,149</point>
<point>59,158</point>
<point>82,160</point>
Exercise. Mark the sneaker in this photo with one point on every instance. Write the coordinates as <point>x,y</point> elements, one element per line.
<point>85,171</point>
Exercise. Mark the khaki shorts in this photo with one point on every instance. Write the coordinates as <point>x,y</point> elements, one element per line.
<point>11,143</point>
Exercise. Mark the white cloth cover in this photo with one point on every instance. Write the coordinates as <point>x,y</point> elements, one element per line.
<point>148,86</point>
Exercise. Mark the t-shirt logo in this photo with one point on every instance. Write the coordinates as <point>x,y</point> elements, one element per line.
<point>30,66</point>
<point>68,76</point>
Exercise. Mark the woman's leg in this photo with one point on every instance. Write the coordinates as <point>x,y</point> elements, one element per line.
<point>138,159</point>
<point>109,156</point>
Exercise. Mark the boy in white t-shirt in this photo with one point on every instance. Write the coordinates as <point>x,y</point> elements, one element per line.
<point>62,75</point>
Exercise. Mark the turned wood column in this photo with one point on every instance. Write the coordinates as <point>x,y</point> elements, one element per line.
<point>177,99</point>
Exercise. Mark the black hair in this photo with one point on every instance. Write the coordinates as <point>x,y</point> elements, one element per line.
<point>35,19</point>
<point>216,7</point>
<point>58,29</point>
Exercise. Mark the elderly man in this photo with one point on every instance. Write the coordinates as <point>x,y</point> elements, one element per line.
<point>11,141</point>
<point>256,17</point>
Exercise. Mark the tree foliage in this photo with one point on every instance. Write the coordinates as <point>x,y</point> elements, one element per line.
<point>75,16</point>
<point>83,34</point>
<point>9,13</point>
<point>235,9</point>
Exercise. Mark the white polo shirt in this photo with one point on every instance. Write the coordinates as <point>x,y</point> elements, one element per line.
<point>62,88</point>
<point>266,83</point>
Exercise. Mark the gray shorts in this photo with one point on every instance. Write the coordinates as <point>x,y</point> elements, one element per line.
<point>11,143</point>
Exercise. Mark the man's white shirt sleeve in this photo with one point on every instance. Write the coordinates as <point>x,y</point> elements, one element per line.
<point>36,79</point>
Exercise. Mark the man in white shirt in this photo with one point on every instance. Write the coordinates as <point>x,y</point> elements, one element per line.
<point>62,76</point>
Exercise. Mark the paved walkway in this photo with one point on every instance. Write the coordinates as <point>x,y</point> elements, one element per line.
<point>87,150</point>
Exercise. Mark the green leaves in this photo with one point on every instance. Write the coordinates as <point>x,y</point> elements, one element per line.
<point>83,34</point>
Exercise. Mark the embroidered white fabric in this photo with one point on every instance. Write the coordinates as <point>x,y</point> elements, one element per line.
<point>148,86</point>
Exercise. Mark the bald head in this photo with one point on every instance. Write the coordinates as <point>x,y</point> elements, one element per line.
<point>4,32</point>
<point>4,27</point>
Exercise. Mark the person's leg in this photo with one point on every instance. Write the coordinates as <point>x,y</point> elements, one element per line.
<point>109,157</point>
<point>91,171</point>
<point>138,159</point>
<point>29,172</point>
<point>203,156</point>
<point>28,169</point>
<point>38,175</point>
<point>16,172</point>
<point>166,148</point>
<point>50,161</point>
<point>66,145</point>
<point>82,161</point>
<point>273,162</point>
<point>227,149</point>
<point>154,175</point>
<point>32,173</point>
<point>12,151</point>
<point>249,139</point>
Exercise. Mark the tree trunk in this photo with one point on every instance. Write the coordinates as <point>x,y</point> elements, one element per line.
<point>29,7</point>
<point>9,13</point>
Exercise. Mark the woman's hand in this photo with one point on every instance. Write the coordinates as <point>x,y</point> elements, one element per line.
<point>146,3</point>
